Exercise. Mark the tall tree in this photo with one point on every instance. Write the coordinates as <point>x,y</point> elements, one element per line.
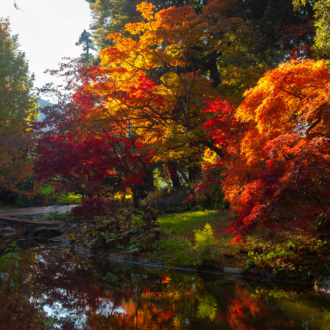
<point>157,85</point>
<point>86,41</point>
<point>17,109</point>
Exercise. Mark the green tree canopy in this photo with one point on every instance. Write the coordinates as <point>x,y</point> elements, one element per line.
<point>322,18</point>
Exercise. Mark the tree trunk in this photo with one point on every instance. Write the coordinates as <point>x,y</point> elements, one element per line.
<point>194,172</point>
<point>150,178</point>
<point>173,173</point>
<point>182,173</point>
<point>135,194</point>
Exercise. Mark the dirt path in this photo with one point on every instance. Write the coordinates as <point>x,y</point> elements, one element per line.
<point>37,210</point>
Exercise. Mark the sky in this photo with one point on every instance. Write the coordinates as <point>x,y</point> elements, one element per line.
<point>48,31</point>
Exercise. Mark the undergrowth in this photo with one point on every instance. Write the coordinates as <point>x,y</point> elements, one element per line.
<point>292,253</point>
<point>122,231</point>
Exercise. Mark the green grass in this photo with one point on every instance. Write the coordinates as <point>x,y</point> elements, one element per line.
<point>180,248</point>
<point>69,199</point>
<point>47,191</point>
<point>185,222</point>
<point>62,199</point>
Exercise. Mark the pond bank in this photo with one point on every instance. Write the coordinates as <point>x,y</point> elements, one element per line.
<point>234,272</point>
<point>321,279</point>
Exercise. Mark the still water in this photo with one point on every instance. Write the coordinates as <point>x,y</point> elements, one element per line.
<point>85,293</point>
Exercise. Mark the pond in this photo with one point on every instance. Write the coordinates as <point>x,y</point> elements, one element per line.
<point>86,293</point>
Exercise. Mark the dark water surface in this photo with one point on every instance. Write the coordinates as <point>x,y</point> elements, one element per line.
<point>84,293</point>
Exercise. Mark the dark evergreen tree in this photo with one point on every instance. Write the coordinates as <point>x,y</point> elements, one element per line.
<point>86,41</point>
<point>278,28</point>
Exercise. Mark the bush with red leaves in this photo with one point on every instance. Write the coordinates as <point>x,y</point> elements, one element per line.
<point>91,208</point>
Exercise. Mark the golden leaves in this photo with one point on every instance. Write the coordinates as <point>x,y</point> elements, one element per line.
<point>286,95</point>
<point>146,9</point>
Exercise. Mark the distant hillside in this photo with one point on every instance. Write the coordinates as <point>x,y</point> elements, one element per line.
<point>43,104</point>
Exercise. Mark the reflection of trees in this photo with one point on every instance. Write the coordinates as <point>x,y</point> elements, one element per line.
<point>98,295</point>
<point>244,311</point>
<point>165,303</point>
<point>68,287</point>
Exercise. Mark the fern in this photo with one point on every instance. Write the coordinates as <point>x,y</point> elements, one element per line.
<point>204,238</point>
<point>204,243</point>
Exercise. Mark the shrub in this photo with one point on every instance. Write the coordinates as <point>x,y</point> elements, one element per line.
<point>23,200</point>
<point>121,231</point>
<point>91,207</point>
<point>207,191</point>
<point>290,253</point>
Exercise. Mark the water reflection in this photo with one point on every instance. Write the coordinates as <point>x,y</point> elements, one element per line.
<point>92,294</point>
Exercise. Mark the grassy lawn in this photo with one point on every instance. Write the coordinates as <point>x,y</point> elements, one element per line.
<point>288,252</point>
<point>185,223</point>
<point>179,248</point>
<point>71,198</point>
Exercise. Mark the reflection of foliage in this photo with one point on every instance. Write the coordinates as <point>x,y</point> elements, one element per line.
<point>89,293</point>
<point>16,309</point>
<point>207,307</point>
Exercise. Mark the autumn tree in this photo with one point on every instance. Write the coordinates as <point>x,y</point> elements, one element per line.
<point>75,154</point>
<point>279,175</point>
<point>17,109</point>
<point>85,164</point>
<point>156,83</point>
<point>112,15</point>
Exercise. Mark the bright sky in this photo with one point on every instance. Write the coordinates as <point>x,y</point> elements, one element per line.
<point>48,31</point>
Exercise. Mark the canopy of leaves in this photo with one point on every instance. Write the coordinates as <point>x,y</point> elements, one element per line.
<point>156,82</point>
<point>322,17</point>
<point>17,108</point>
<point>277,28</point>
<point>112,15</point>
<point>285,152</point>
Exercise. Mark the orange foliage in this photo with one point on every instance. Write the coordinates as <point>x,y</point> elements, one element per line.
<point>152,86</point>
<point>285,153</point>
